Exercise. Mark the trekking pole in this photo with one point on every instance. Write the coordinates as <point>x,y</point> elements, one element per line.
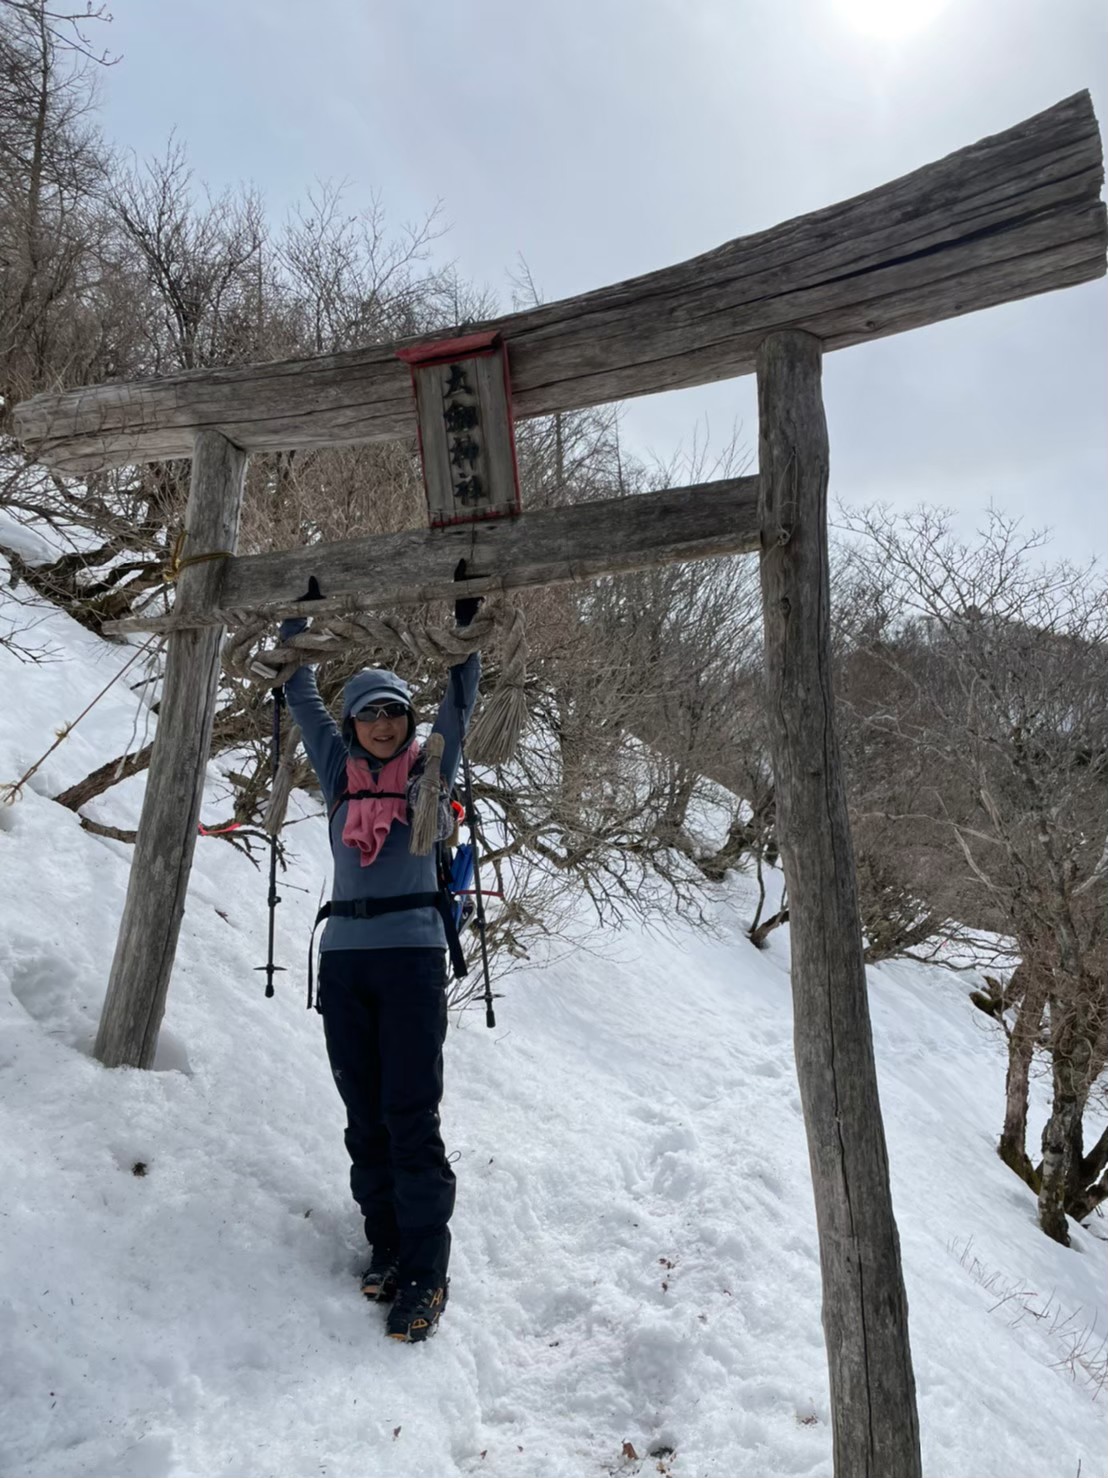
<point>269,967</point>
<point>471,821</point>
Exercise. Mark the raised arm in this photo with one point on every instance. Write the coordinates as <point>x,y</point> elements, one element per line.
<point>456,710</point>
<point>321,735</point>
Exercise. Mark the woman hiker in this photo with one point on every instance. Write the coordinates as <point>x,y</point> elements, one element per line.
<point>382,976</point>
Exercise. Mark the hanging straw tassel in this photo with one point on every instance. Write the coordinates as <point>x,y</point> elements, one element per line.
<point>425,821</point>
<point>281,788</point>
<point>500,724</point>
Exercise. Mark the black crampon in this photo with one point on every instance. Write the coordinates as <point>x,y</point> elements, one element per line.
<point>379,1279</point>
<point>415,1314</point>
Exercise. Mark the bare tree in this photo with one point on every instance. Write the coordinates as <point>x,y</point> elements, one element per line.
<point>985,718</point>
<point>203,261</point>
<point>67,29</point>
<point>358,280</point>
<point>52,163</point>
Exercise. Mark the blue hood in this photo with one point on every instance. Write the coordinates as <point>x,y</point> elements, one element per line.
<point>374,685</point>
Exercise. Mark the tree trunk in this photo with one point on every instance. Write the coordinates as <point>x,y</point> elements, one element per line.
<point>1096,1161</point>
<point>232,726</point>
<point>102,779</point>
<point>759,933</point>
<point>1071,1048</point>
<point>1021,1049</point>
<point>1093,1192</point>
<point>147,942</point>
<point>1061,1151</point>
<point>865,1309</point>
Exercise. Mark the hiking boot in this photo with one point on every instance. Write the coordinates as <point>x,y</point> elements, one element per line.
<point>415,1314</point>
<point>379,1279</point>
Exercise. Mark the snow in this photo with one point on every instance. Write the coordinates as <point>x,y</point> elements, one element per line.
<point>24,541</point>
<point>635,1252</point>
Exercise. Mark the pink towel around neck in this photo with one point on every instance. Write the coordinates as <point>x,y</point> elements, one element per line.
<point>368,822</point>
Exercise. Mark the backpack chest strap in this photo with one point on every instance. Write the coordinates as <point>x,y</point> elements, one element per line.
<point>365,795</point>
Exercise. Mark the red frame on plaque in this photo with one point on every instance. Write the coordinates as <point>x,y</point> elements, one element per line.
<point>466,432</point>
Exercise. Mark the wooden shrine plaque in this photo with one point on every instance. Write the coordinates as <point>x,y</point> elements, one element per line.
<point>466,438</point>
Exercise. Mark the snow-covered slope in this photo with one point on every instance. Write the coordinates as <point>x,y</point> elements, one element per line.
<point>635,1254</point>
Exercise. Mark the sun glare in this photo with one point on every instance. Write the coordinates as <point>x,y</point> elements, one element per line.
<point>890,20</point>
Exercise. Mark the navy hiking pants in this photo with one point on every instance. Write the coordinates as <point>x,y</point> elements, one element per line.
<point>384,1017</point>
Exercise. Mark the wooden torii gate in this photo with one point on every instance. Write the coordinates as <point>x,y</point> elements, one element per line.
<point>1011,216</point>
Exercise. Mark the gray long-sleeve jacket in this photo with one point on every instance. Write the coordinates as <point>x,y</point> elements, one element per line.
<point>394,870</point>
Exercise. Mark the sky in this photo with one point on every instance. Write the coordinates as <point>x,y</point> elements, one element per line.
<point>598,139</point>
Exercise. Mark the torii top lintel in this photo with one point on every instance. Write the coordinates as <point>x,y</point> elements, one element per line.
<point>1014,215</point>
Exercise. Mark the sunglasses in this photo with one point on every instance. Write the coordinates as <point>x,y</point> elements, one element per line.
<point>372,712</point>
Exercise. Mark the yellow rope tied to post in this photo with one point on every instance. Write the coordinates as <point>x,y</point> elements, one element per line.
<point>176,563</point>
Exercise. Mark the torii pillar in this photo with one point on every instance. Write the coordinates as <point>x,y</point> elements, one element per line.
<point>875,1424</point>
<point>147,940</point>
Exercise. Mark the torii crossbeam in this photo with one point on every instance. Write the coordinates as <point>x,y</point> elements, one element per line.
<point>1011,216</point>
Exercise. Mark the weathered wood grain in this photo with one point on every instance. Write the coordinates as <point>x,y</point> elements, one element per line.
<point>1011,216</point>
<point>865,1309</point>
<point>550,546</point>
<point>147,941</point>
